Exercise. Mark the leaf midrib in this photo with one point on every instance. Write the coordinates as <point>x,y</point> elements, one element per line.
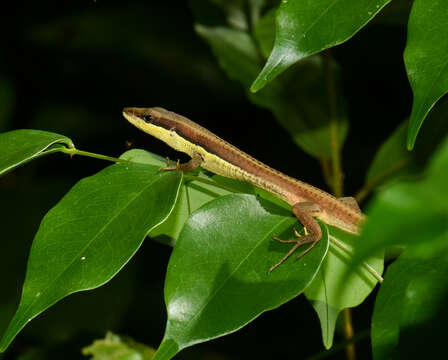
<point>88,245</point>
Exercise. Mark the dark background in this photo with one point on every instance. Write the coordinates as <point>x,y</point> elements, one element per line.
<point>71,66</point>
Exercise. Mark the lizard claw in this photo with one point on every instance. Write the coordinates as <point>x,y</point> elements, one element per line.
<point>298,241</point>
<point>169,166</point>
<point>296,233</point>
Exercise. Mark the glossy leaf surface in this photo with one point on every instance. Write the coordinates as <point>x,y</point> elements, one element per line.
<point>91,234</point>
<point>192,195</point>
<point>425,312</point>
<point>391,157</point>
<point>426,59</point>
<point>217,279</point>
<point>307,27</point>
<point>20,146</point>
<point>393,160</point>
<point>413,214</point>
<point>413,292</point>
<point>299,102</point>
<point>410,212</point>
<point>327,295</point>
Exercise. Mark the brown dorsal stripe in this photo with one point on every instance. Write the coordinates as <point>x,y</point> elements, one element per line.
<point>200,136</point>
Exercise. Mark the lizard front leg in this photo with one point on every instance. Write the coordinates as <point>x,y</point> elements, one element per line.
<point>191,165</point>
<point>305,213</point>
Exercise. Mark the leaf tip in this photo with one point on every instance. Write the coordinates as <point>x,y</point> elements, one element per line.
<point>253,89</point>
<point>412,136</point>
<point>4,342</point>
<point>262,79</point>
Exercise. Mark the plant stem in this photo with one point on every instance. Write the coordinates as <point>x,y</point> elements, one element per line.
<point>349,333</point>
<point>325,354</point>
<point>367,188</point>
<point>74,151</point>
<point>325,165</point>
<point>335,146</point>
<point>350,351</point>
<point>337,176</point>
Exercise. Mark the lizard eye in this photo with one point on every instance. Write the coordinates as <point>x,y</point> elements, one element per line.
<point>147,118</point>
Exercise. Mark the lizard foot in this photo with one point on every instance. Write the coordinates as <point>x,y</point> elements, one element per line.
<point>298,241</point>
<point>170,167</point>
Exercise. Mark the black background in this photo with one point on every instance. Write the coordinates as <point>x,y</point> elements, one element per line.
<point>71,66</point>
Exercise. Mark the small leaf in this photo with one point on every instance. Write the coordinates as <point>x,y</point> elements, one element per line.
<point>265,32</point>
<point>325,292</point>
<point>299,101</point>
<point>424,312</point>
<point>393,301</point>
<point>217,279</point>
<point>235,14</point>
<point>239,14</point>
<point>393,161</point>
<point>307,27</point>
<point>235,49</point>
<point>426,59</point>
<point>20,146</point>
<point>328,316</point>
<point>114,347</point>
<point>91,234</point>
<point>189,197</point>
<point>391,156</point>
<point>193,194</point>
<point>408,212</point>
<point>143,157</point>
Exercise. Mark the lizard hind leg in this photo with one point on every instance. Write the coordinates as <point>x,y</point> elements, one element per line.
<point>304,213</point>
<point>299,241</point>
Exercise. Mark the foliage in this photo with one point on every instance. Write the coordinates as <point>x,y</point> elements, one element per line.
<point>114,347</point>
<point>217,280</point>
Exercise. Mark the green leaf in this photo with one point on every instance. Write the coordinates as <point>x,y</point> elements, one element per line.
<point>143,157</point>
<point>114,347</point>
<point>299,101</point>
<point>391,156</point>
<point>426,59</point>
<point>424,312</point>
<point>235,49</point>
<point>20,146</point>
<point>239,14</point>
<point>393,161</point>
<point>325,292</point>
<point>328,316</point>
<point>217,279</point>
<point>264,32</point>
<point>235,14</point>
<point>192,196</point>
<point>399,301</point>
<point>307,27</point>
<point>91,234</point>
<point>409,213</point>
